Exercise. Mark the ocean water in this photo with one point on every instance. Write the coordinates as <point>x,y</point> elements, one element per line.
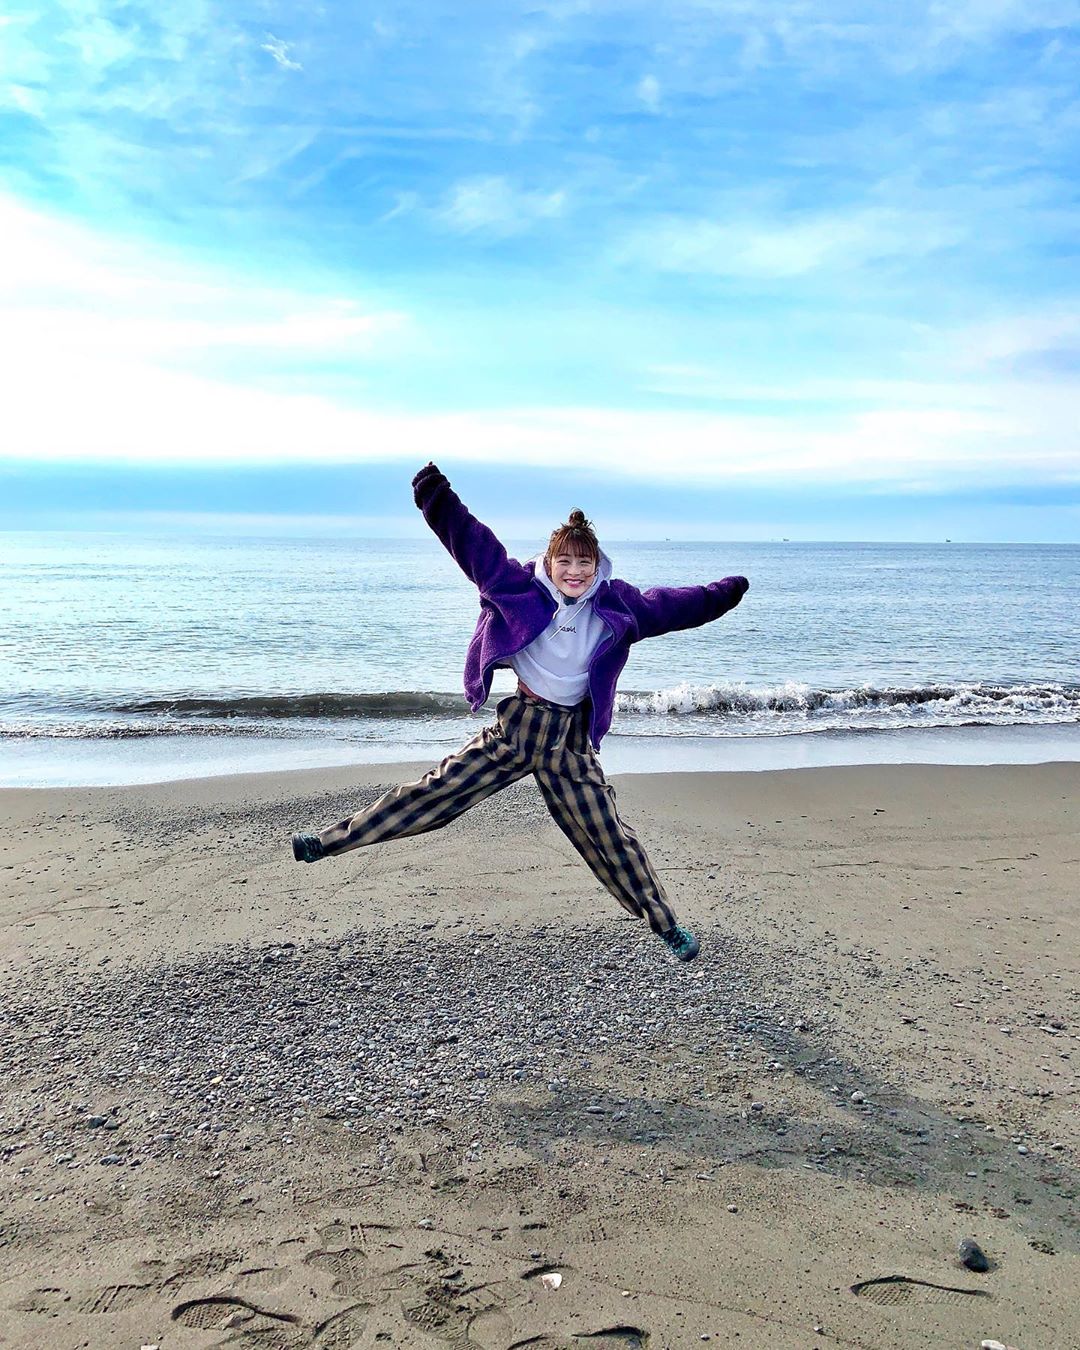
<point>186,652</point>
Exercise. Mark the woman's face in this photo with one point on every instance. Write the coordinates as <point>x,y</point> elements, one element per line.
<point>572,573</point>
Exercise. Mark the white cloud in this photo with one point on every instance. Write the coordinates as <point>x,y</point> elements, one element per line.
<point>648,91</point>
<point>26,100</point>
<point>492,205</point>
<point>72,300</point>
<point>983,20</point>
<point>111,353</point>
<point>404,202</point>
<point>1018,336</point>
<point>133,413</point>
<point>280,52</point>
<point>800,244</point>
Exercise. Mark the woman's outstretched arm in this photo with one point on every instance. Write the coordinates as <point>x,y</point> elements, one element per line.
<point>471,544</point>
<point>665,609</point>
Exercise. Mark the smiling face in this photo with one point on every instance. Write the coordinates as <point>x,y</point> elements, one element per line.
<point>573,573</point>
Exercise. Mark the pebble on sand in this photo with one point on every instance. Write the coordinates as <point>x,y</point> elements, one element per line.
<point>973,1256</point>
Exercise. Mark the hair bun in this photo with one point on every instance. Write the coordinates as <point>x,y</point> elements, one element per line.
<point>576,536</point>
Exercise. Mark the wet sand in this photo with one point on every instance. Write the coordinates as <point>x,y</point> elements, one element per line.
<point>382,1099</point>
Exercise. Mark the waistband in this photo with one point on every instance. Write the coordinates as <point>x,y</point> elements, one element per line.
<point>527,696</point>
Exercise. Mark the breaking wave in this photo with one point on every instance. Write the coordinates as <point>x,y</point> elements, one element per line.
<point>683,709</point>
<point>792,706</point>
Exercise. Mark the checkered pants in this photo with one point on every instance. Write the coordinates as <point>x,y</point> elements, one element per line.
<point>551,743</point>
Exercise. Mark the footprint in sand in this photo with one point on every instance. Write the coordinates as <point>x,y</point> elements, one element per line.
<point>202,1266</point>
<point>47,1300</point>
<point>227,1313</point>
<point>490,1329</point>
<point>458,1316</point>
<point>898,1291</point>
<point>112,1298</point>
<point>344,1329</point>
<point>340,1233</point>
<point>348,1268</point>
<point>348,1232</point>
<point>437,1315</point>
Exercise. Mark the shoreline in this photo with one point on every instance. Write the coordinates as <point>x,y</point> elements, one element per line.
<point>62,762</point>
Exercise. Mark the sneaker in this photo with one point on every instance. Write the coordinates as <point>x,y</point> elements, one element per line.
<point>307,848</point>
<point>683,944</point>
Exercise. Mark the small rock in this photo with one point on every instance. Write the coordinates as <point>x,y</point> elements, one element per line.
<point>858,1098</point>
<point>973,1256</point>
<point>1022,1150</point>
<point>733,1209</point>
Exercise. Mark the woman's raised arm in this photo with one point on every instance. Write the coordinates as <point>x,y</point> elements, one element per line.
<point>471,544</point>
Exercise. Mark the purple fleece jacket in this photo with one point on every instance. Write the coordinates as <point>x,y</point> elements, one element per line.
<point>516,607</point>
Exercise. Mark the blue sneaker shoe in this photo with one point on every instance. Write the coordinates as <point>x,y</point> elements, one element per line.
<point>683,945</point>
<point>307,848</point>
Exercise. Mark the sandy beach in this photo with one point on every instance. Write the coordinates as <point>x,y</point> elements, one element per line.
<point>445,1092</point>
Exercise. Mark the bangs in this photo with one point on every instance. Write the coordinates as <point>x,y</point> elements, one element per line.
<point>573,541</point>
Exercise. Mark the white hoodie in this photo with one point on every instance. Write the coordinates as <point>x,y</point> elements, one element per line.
<point>556,665</point>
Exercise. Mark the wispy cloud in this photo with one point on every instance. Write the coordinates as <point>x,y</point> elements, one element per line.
<point>792,246</point>
<point>1029,342</point>
<point>279,50</point>
<point>492,205</point>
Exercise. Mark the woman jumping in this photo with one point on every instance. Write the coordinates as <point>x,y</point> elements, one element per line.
<point>564,625</point>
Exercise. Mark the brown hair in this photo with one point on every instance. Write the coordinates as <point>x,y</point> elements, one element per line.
<point>576,536</point>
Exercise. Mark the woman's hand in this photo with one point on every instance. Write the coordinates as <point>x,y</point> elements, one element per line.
<point>429,470</point>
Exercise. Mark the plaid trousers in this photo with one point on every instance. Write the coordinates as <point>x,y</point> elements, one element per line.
<point>552,743</point>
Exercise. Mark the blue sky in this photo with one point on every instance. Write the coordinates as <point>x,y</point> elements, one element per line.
<point>747,269</point>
